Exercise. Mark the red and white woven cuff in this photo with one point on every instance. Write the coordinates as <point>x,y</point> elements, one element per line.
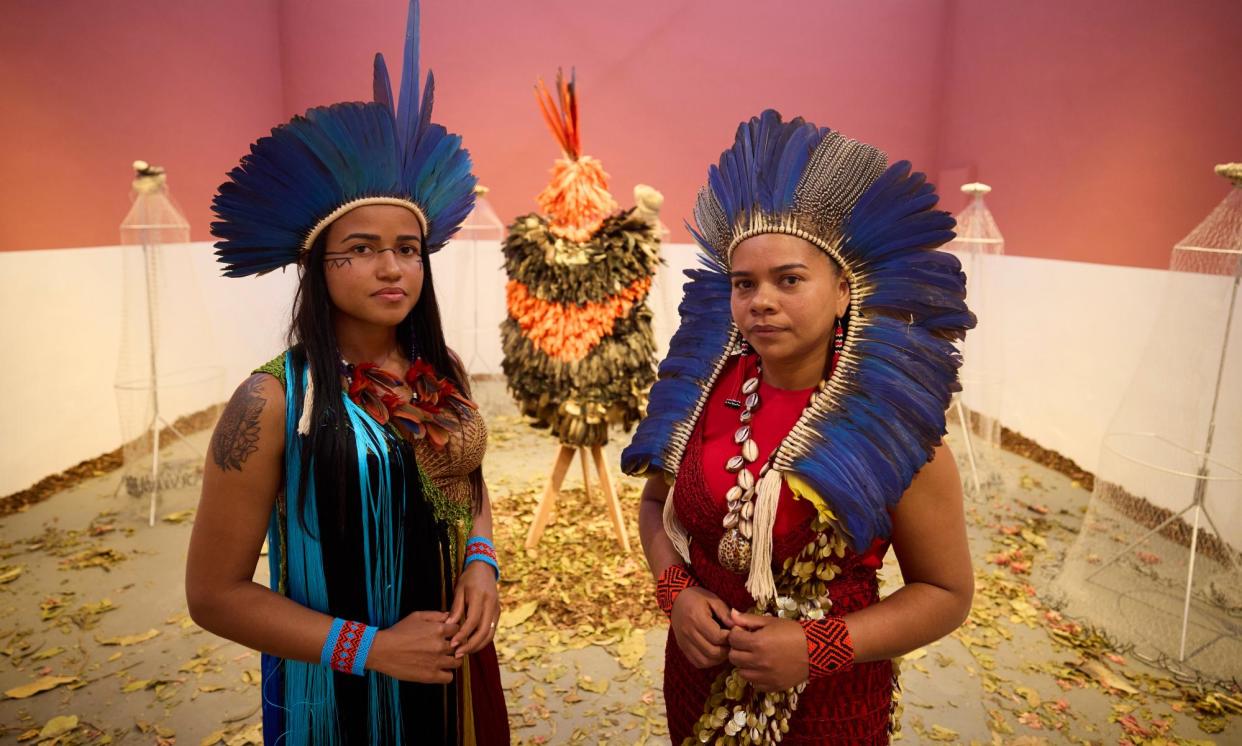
<point>829,649</point>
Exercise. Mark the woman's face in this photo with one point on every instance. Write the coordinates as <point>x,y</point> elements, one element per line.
<point>373,263</point>
<point>786,296</point>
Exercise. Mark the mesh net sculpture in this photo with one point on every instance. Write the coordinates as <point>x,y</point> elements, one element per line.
<point>480,237</point>
<point>579,354</point>
<point>167,362</point>
<point>978,406</point>
<point>1156,562</point>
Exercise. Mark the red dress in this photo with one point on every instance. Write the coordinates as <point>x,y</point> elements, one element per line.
<point>850,708</point>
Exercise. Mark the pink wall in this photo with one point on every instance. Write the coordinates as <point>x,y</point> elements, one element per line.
<point>1081,115</point>
<point>663,85</point>
<point>1096,123</point>
<point>87,87</point>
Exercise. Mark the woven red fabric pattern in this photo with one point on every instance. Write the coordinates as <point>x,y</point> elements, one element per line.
<point>479,547</point>
<point>345,651</point>
<point>829,649</point>
<point>672,582</point>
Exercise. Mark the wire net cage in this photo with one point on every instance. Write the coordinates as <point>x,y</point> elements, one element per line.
<point>979,407</point>
<point>1156,563</point>
<point>473,307</point>
<point>168,382</point>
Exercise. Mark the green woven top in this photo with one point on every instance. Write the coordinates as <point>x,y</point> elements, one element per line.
<point>274,367</point>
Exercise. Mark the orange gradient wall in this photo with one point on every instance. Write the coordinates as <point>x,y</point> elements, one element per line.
<point>88,87</point>
<point>1097,123</point>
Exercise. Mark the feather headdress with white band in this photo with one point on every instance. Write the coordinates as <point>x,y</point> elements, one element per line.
<point>864,435</point>
<point>332,159</point>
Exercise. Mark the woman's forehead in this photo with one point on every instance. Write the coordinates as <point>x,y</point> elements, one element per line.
<point>378,219</point>
<point>771,250</point>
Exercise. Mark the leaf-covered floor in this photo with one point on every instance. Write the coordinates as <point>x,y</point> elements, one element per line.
<point>96,646</point>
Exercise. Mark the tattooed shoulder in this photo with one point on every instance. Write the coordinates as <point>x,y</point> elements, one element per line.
<point>237,432</point>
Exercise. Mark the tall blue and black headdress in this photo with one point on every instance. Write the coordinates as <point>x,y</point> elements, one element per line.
<point>860,441</point>
<point>319,166</point>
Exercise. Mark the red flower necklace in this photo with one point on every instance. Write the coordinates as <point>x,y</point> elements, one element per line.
<point>421,404</point>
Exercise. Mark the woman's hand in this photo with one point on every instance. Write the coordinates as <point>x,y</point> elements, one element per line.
<point>417,648</point>
<point>477,600</point>
<point>700,622</point>
<point>769,652</point>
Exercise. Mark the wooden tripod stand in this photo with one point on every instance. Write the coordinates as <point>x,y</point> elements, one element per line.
<point>547,503</point>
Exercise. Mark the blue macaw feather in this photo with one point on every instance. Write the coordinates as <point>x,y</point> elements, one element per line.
<point>705,330</point>
<point>381,84</point>
<point>429,95</point>
<point>760,173</point>
<point>408,114</point>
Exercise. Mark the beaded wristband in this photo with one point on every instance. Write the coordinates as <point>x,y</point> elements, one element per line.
<point>829,649</point>
<point>347,646</point>
<point>481,549</point>
<point>674,580</point>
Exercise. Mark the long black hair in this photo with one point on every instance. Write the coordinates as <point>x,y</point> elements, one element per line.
<point>312,339</point>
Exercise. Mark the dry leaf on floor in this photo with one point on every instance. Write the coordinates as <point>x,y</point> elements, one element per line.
<point>42,685</point>
<point>59,725</point>
<point>631,650</point>
<point>102,557</point>
<point>128,639</point>
<point>47,653</point>
<point>518,614</point>
<point>1105,676</point>
<point>250,735</point>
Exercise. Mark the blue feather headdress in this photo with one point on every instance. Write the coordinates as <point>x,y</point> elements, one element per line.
<point>862,438</point>
<point>321,165</point>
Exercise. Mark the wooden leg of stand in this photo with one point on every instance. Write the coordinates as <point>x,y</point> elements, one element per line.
<point>553,490</point>
<point>610,498</point>
<point>586,471</point>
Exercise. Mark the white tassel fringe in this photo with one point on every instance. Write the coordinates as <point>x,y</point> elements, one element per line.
<point>761,584</point>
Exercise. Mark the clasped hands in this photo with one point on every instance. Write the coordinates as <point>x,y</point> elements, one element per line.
<point>428,646</point>
<point>769,652</point>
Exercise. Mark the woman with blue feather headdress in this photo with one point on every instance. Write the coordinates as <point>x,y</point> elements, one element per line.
<point>795,434</point>
<point>357,452</point>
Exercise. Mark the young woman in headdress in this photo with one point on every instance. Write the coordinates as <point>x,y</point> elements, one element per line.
<point>795,434</point>
<point>357,452</point>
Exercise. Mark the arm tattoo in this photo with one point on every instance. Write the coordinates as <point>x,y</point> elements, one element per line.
<point>237,432</point>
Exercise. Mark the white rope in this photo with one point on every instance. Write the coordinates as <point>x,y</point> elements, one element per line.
<point>308,400</point>
<point>761,584</point>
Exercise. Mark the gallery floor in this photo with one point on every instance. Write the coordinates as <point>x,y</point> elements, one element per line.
<point>97,646</point>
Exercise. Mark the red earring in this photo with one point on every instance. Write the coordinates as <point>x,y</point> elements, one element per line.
<point>735,402</point>
<point>838,344</point>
